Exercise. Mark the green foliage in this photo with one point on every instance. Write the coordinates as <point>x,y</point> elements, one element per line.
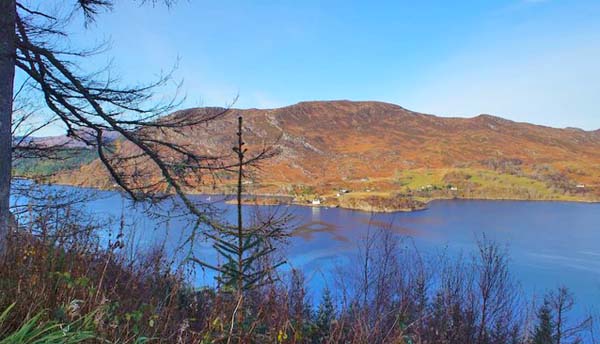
<point>544,329</point>
<point>324,317</point>
<point>485,184</point>
<point>243,265</point>
<point>67,159</point>
<point>247,249</point>
<point>302,191</point>
<point>37,331</point>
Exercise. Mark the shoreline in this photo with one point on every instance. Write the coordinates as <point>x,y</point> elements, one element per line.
<point>279,199</point>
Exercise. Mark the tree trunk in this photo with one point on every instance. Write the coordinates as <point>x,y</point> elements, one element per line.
<point>7,77</point>
<point>240,227</point>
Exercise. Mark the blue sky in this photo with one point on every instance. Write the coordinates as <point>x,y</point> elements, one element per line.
<point>527,60</point>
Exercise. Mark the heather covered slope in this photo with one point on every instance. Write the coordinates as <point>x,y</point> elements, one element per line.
<point>378,149</point>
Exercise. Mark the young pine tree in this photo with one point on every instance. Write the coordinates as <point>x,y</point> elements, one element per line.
<point>543,333</point>
<point>325,315</point>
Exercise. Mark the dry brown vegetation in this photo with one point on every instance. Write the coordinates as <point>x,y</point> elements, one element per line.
<point>328,146</point>
<point>389,293</point>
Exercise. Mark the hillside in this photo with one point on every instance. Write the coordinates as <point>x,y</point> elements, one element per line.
<point>381,151</point>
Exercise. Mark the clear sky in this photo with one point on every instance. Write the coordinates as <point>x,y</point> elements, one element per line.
<point>527,60</point>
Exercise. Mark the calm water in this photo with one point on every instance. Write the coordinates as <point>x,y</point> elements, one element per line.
<point>550,243</point>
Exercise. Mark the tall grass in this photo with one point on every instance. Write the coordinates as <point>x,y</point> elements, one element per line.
<point>36,331</point>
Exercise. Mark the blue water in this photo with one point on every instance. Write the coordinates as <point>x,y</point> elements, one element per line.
<point>550,243</point>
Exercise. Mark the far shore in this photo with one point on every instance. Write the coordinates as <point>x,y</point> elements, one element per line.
<point>336,202</point>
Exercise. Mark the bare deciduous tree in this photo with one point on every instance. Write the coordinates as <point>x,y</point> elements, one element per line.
<point>91,105</point>
<point>493,286</point>
<point>561,302</point>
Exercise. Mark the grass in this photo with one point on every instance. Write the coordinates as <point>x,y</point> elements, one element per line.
<point>425,185</point>
<point>415,179</point>
<point>38,331</point>
<point>480,183</point>
<point>79,290</point>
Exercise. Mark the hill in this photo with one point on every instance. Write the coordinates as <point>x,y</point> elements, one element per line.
<point>381,151</point>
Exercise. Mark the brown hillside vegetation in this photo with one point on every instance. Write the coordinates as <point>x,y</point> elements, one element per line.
<point>377,149</point>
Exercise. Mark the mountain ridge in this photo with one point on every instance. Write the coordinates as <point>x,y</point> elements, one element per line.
<point>387,149</point>
<point>384,103</point>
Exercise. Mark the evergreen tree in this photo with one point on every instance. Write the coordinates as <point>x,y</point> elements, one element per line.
<point>545,327</point>
<point>325,315</point>
<point>439,321</point>
<point>300,310</point>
